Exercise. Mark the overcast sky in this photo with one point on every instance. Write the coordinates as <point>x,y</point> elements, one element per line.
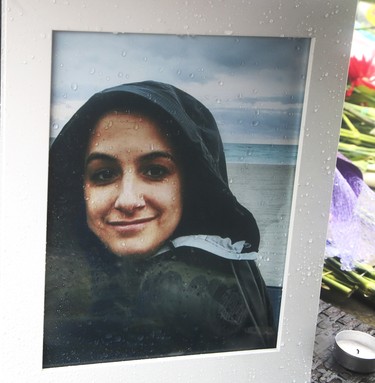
<point>253,86</point>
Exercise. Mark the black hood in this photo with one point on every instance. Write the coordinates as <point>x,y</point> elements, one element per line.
<point>209,205</point>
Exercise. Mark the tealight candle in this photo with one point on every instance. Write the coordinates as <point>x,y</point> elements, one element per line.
<point>355,350</point>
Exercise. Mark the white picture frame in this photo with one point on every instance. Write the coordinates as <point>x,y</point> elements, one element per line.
<point>28,27</point>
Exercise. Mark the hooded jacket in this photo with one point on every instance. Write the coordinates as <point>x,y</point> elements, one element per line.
<point>201,292</point>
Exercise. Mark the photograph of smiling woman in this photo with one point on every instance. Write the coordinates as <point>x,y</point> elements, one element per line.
<point>149,253</point>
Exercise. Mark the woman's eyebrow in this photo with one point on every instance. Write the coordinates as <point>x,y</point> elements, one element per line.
<point>157,154</point>
<point>99,156</point>
<point>145,157</point>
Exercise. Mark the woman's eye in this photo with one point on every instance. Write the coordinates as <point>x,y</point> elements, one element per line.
<point>104,176</point>
<point>156,172</point>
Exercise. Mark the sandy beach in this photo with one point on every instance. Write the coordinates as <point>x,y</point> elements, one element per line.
<point>266,190</point>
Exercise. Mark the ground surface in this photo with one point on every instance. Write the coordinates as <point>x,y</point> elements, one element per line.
<point>331,320</point>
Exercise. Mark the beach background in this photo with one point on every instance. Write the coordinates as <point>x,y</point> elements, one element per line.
<point>254,87</point>
<point>262,178</point>
<point>265,190</point>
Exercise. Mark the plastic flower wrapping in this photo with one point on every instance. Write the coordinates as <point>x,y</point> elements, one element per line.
<point>350,249</point>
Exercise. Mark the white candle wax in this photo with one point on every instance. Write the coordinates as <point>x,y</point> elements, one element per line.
<point>357,349</point>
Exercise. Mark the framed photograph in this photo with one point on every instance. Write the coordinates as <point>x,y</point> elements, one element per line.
<point>166,180</point>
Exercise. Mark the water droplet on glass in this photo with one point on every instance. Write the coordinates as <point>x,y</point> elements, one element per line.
<point>74,86</point>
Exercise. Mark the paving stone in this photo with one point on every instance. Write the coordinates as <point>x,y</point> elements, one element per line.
<point>325,369</point>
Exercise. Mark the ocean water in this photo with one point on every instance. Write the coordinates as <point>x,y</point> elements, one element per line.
<point>261,154</point>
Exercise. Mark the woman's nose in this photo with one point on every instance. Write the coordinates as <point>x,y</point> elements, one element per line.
<point>130,195</point>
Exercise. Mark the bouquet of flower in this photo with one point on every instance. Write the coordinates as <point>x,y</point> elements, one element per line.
<point>350,248</point>
<point>357,136</point>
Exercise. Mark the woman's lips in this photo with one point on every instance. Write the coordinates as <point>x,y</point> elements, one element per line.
<point>125,226</point>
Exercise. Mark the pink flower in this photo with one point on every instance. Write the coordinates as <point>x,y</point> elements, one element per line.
<point>361,74</point>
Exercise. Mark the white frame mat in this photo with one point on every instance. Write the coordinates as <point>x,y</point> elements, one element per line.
<point>27,28</point>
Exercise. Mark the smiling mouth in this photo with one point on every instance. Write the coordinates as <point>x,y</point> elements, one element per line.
<point>133,225</point>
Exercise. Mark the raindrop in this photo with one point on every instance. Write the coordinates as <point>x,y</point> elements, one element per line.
<point>74,86</point>
<point>92,70</point>
<point>108,125</point>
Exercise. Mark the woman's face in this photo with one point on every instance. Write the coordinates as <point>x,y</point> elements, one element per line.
<point>132,185</point>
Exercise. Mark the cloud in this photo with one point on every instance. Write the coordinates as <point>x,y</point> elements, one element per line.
<point>228,74</point>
